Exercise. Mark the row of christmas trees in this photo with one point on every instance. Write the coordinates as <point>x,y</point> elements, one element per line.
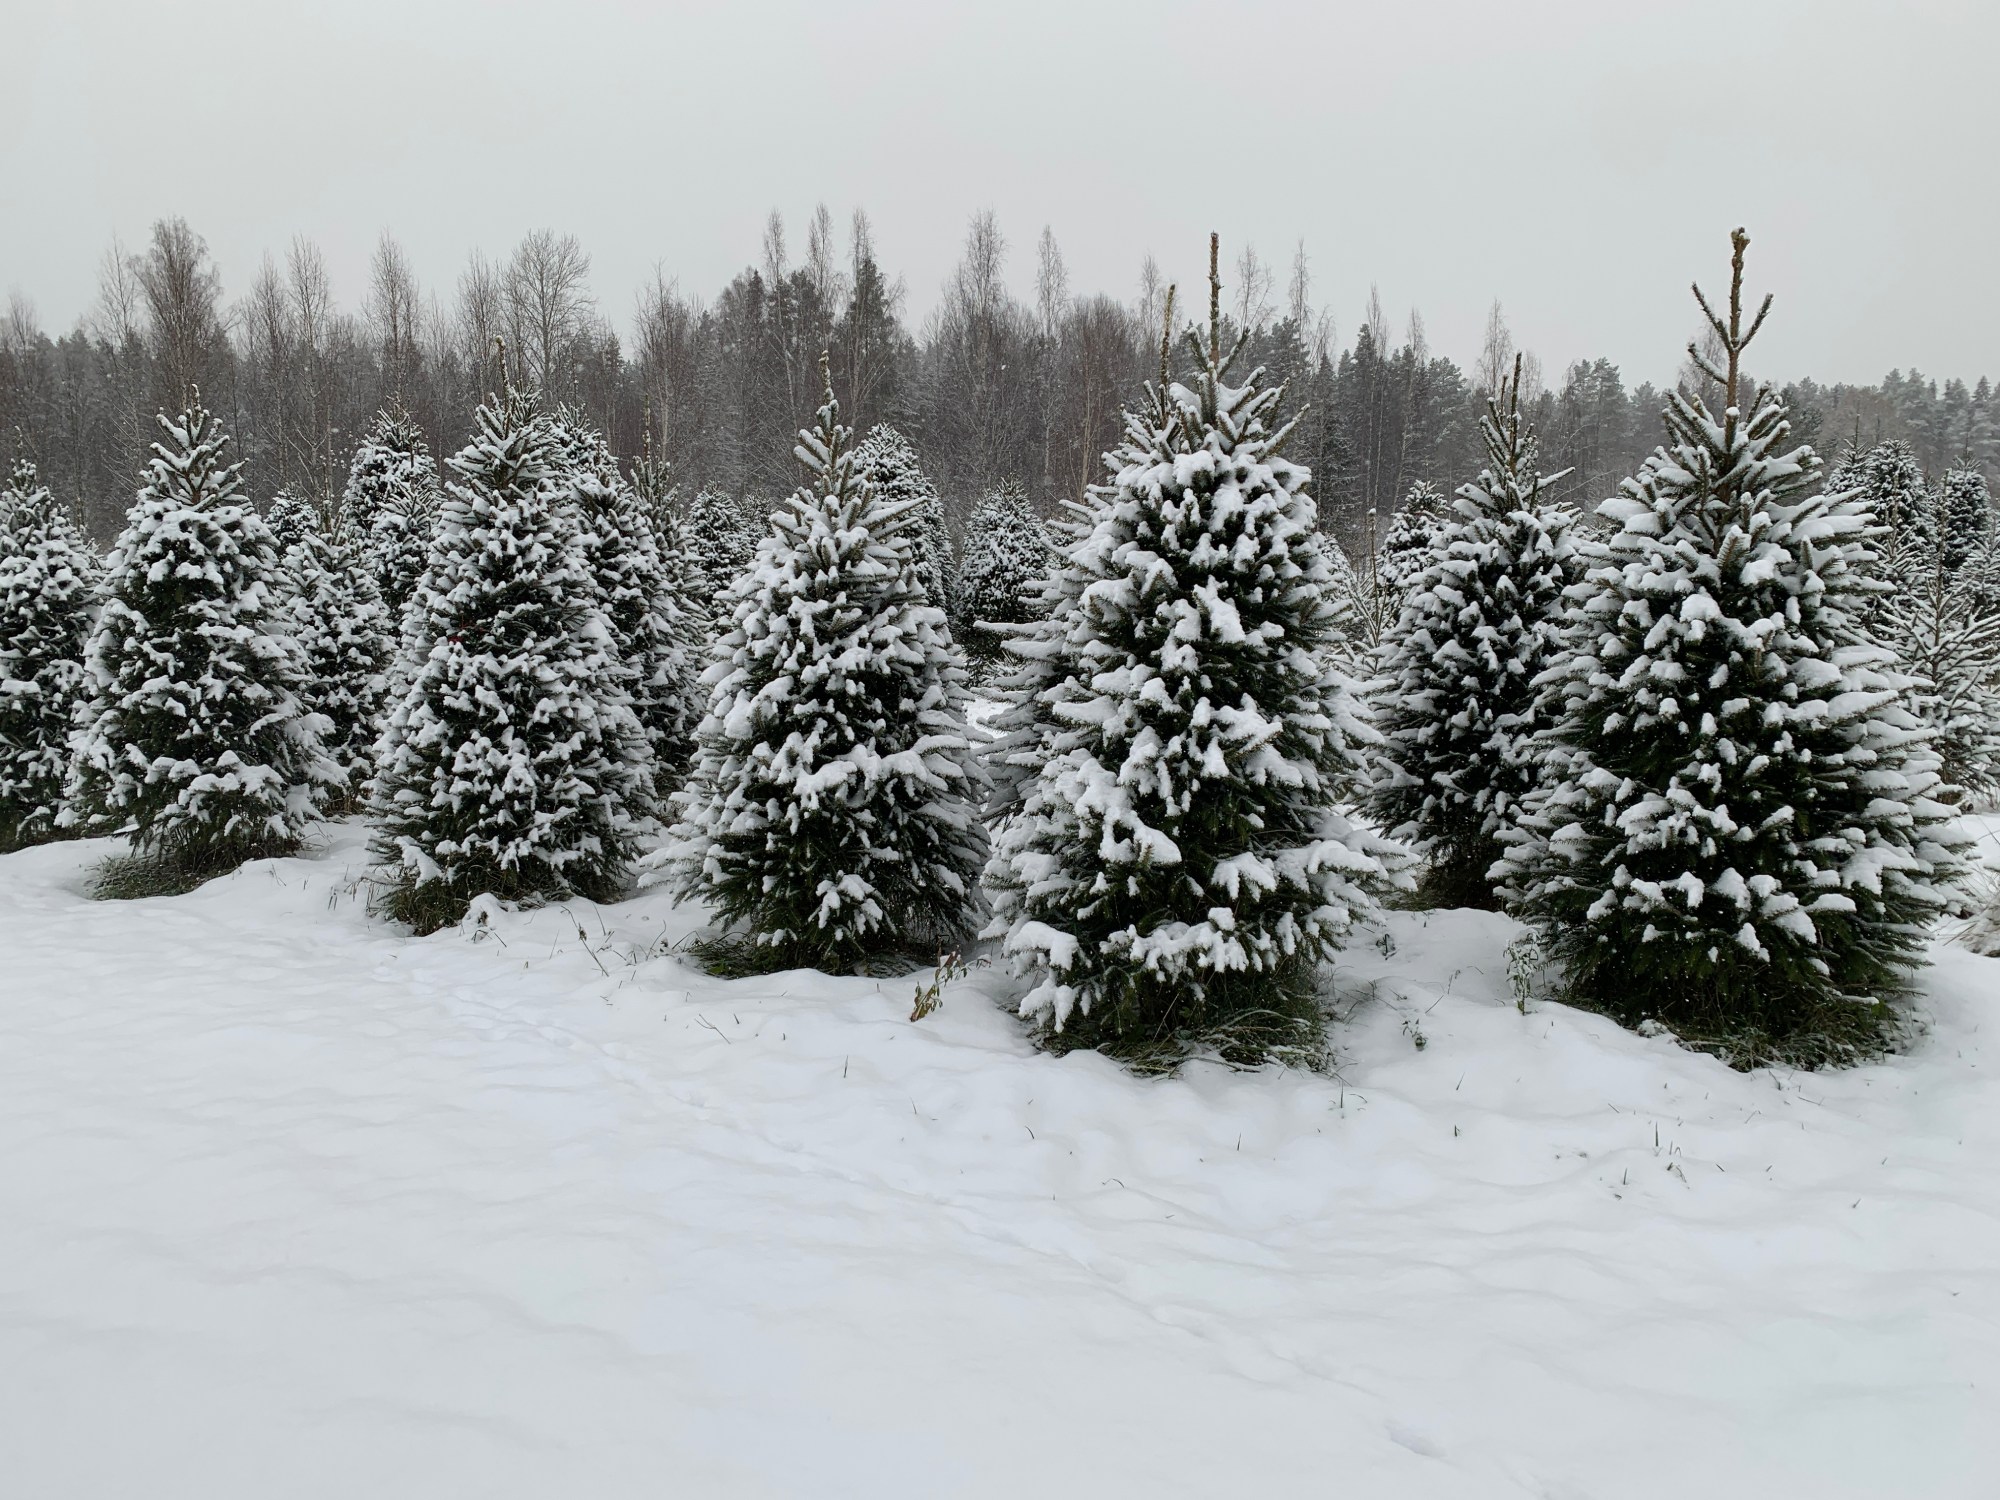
<point>1676,743</point>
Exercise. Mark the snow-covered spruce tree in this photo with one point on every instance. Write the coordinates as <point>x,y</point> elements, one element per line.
<point>391,458</point>
<point>389,507</point>
<point>717,541</point>
<point>1942,617</point>
<point>1007,557</point>
<point>195,737</point>
<point>1964,516</point>
<point>48,591</point>
<point>653,483</point>
<point>695,610</point>
<point>887,462</point>
<point>656,643</point>
<point>513,765</point>
<point>1407,547</point>
<point>344,636</point>
<point>1739,835</point>
<point>1457,704</point>
<point>1888,485</point>
<point>1174,860</point>
<point>832,813</point>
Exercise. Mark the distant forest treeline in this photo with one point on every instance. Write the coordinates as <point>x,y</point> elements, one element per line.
<point>989,388</point>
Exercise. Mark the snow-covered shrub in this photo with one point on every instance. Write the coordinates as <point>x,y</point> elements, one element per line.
<point>831,814</point>
<point>1175,859</point>
<point>1739,836</point>
<point>513,764</point>
<point>48,591</point>
<point>194,736</point>
<point>344,636</point>
<point>1456,697</point>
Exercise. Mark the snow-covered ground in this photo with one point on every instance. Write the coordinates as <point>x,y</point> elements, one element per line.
<point>293,1205</point>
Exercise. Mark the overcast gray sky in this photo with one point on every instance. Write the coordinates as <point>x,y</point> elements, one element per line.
<point>1581,160</point>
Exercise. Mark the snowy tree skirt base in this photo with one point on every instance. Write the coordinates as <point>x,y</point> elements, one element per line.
<point>1286,1025</point>
<point>128,875</point>
<point>293,1204</point>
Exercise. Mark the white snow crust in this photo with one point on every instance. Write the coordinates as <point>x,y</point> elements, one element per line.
<point>292,1204</point>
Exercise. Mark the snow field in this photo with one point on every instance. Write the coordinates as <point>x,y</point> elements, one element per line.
<point>294,1204</point>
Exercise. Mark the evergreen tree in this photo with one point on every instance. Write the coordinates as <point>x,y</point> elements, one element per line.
<point>343,632</point>
<point>1739,834</point>
<point>48,588</point>
<point>831,812</point>
<point>194,737</point>
<point>652,483</point>
<point>1005,562</point>
<point>1888,484</point>
<point>513,763</point>
<point>1942,617</point>
<point>392,459</point>
<point>1408,545</point>
<point>1174,856</point>
<point>1963,516</point>
<point>654,640</point>
<point>717,540</point>
<point>1479,621</point>
<point>888,464</point>
<point>389,507</point>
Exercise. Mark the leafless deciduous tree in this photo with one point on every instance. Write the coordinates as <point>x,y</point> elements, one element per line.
<point>393,309</point>
<point>182,292</point>
<point>548,304</point>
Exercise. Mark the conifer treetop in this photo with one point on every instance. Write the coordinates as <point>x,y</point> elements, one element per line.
<point>188,469</point>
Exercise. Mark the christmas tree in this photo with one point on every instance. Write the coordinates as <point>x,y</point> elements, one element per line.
<point>1006,560</point>
<point>513,764</point>
<point>1408,545</point>
<point>1942,617</point>
<point>1175,860</point>
<point>831,813</point>
<point>1888,485</point>
<point>48,590</point>
<point>1963,508</point>
<point>1739,835</point>
<point>390,507</point>
<point>657,645</point>
<point>1478,622</point>
<point>717,542</point>
<point>887,462</point>
<point>343,632</point>
<point>194,738</point>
